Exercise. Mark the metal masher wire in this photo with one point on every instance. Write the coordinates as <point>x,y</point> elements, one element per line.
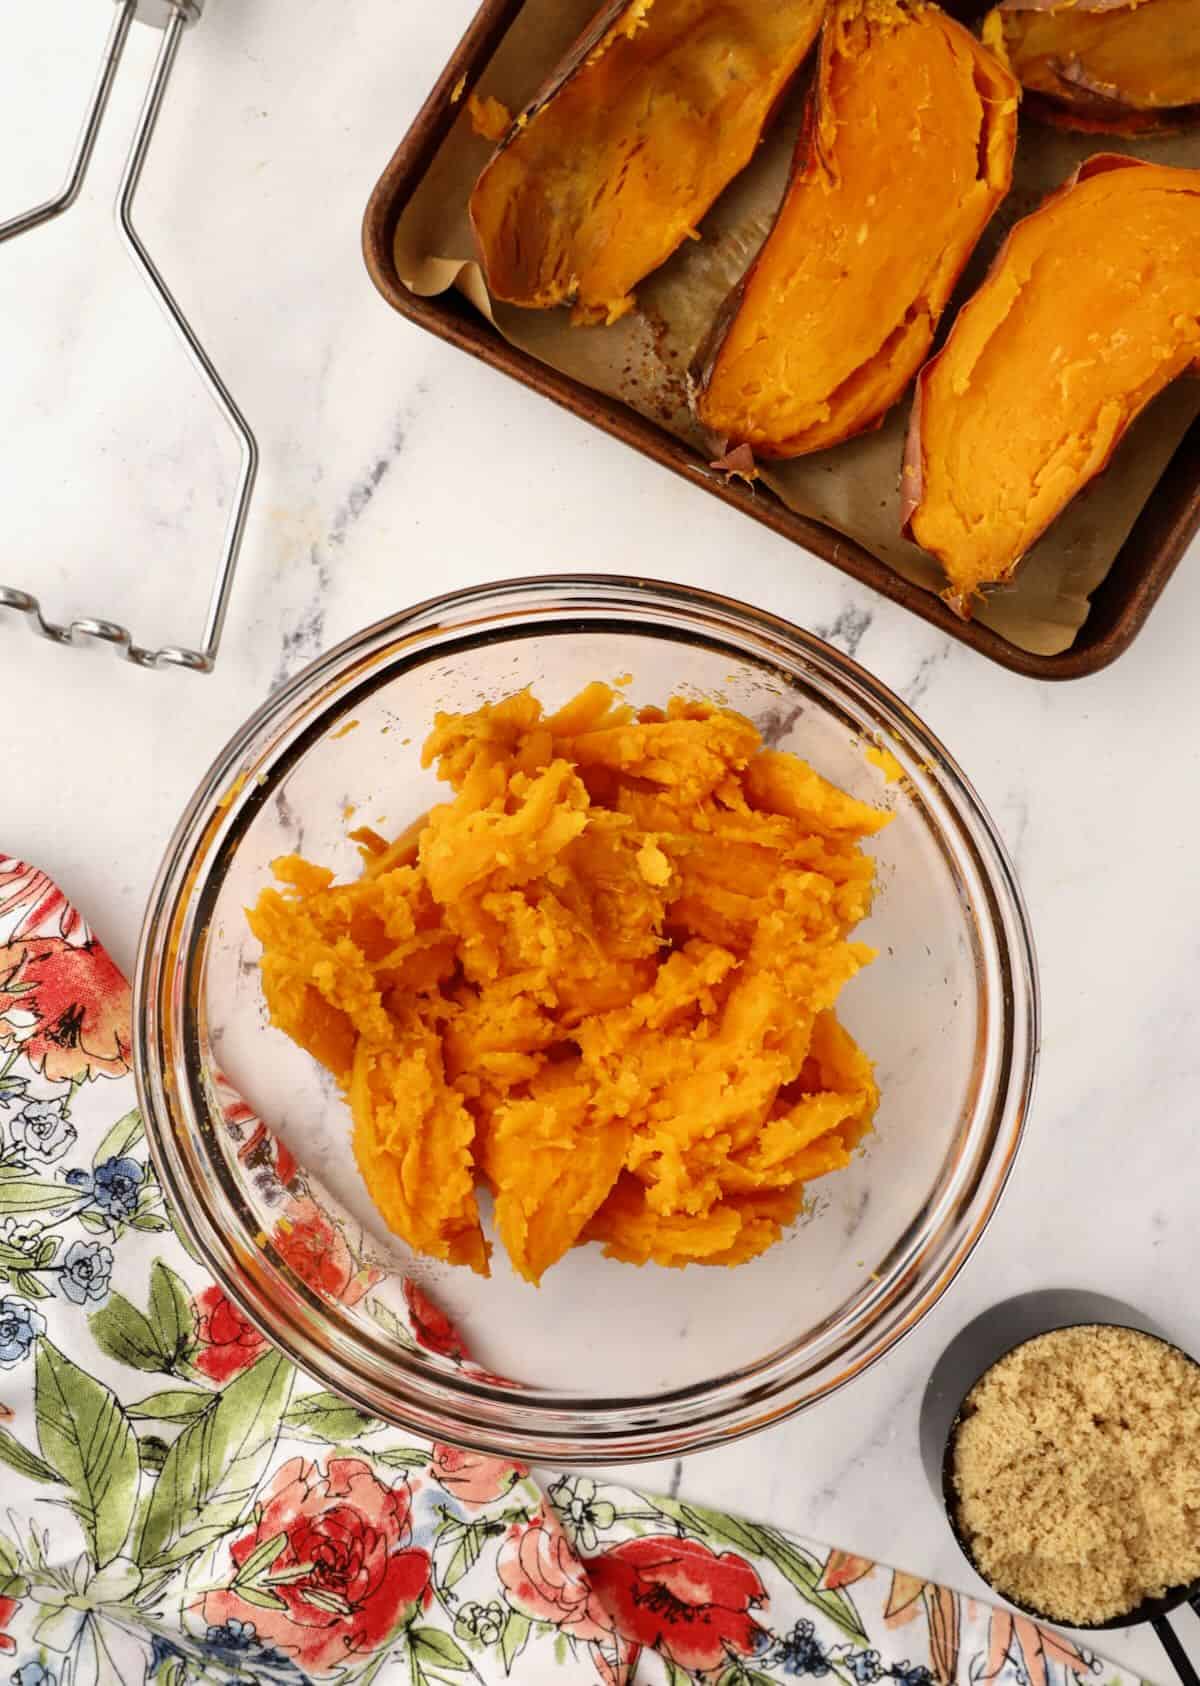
<point>113,48</point>
<point>174,17</point>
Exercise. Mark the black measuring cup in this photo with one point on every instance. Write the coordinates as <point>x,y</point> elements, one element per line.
<point>983,1343</point>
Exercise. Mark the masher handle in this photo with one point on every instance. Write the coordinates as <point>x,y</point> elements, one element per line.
<point>1173,1646</point>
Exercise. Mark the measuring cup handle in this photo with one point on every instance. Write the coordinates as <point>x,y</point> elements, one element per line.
<point>1173,1647</point>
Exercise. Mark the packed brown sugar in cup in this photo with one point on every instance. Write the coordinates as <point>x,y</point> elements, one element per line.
<point>1077,1471</point>
<point>599,980</point>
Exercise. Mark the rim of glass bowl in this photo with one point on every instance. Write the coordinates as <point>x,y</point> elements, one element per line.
<point>423,1392</point>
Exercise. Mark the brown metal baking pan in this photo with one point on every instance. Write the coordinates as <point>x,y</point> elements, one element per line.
<point>1162,532</point>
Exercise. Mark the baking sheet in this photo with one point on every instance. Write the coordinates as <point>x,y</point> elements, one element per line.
<point>642,359</point>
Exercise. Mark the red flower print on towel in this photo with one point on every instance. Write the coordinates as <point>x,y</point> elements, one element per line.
<point>678,1597</point>
<point>316,1250</point>
<point>1030,1649</point>
<point>615,1665</point>
<point>432,1328</point>
<point>844,1568</point>
<point>472,1478</point>
<point>8,1609</point>
<point>363,1575</point>
<point>67,1008</point>
<point>545,1581</point>
<point>228,1344</point>
<point>37,904</point>
<point>908,1596</point>
<point>260,1150</point>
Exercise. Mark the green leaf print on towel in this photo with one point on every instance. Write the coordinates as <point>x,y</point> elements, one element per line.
<point>86,1436</point>
<point>214,1467</point>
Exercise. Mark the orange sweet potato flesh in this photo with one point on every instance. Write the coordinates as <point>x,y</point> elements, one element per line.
<point>906,152</point>
<point>1091,307</point>
<point>600,980</point>
<point>655,112</point>
<point>1100,64</point>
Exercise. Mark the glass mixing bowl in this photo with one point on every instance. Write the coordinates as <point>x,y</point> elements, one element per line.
<point>604,1362</point>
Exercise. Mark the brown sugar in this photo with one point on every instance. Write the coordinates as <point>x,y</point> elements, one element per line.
<point>1076,1465</point>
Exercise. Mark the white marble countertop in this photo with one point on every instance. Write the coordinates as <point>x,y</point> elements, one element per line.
<point>393,468</point>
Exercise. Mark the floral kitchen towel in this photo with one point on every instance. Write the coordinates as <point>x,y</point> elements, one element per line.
<point>179,1504</point>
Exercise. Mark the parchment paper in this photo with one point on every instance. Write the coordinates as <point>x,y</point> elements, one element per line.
<point>643,359</point>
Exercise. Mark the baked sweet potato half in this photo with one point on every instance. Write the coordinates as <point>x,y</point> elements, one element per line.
<point>1091,307</point>
<point>1118,65</point>
<point>906,151</point>
<point>654,112</point>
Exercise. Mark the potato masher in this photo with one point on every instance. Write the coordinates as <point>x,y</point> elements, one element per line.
<point>172,17</point>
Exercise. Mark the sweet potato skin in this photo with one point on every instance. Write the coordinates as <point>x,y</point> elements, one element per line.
<point>837,312</point>
<point>1103,66</point>
<point>965,575</point>
<point>618,158</point>
<point>1099,118</point>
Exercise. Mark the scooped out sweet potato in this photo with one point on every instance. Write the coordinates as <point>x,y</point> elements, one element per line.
<point>653,113</point>
<point>1091,307</point>
<point>600,980</point>
<point>1104,64</point>
<point>907,150</point>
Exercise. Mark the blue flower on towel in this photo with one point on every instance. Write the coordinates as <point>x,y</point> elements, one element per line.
<point>86,1272</point>
<point>19,1324</point>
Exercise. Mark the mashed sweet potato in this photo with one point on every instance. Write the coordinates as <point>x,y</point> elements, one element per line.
<point>600,980</point>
